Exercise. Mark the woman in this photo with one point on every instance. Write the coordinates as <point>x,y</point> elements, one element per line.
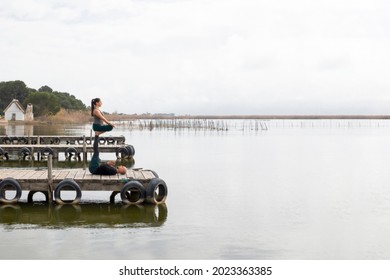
<point>98,119</point>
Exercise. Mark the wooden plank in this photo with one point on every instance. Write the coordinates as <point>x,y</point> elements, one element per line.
<point>122,177</point>
<point>9,173</point>
<point>138,175</point>
<point>130,174</point>
<point>26,174</point>
<point>148,174</point>
<point>91,177</point>
<point>80,174</point>
<point>42,175</point>
<point>33,174</point>
<point>72,173</point>
<point>62,175</point>
<point>37,175</point>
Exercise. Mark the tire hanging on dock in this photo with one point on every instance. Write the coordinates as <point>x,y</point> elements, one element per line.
<point>67,184</point>
<point>131,150</point>
<point>22,140</point>
<point>110,140</point>
<point>55,140</point>
<point>156,191</point>
<point>71,152</point>
<point>46,151</point>
<point>3,154</point>
<point>133,192</point>
<point>24,152</point>
<point>122,152</point>
<point>6,140</point>
<point>121,140</point>
<point>31,195</point>
<point>10,184</point>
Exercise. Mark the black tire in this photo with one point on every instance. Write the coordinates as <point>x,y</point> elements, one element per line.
<point>24,152</point>
<point>102,140</point>
<point>6,140</point>
<point>71,152</point>
<point>67,184</point>
<point>121,140</point>
<point>122,152</point>
<point>3,154</point>
<point>56,140</point>
<point>154,173</point>
<point>113,195</point>
<point>10,184</point>
<point>133,192</point>
<point>31,194</point>
<point>131,150</point>
<point>46,151</point>
<point>156,191</point>
<point>110,140</point>
<point>22,140</point>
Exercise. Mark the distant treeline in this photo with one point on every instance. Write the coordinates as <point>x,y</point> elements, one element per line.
<point>45,101</point>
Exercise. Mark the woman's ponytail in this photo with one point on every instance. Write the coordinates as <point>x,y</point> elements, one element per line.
<point>93,104</point>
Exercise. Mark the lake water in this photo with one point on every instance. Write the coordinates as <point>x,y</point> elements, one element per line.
<point>279,189</point>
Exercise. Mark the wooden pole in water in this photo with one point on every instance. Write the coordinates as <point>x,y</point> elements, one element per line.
<point>84,153</point>
<point>50,178</point>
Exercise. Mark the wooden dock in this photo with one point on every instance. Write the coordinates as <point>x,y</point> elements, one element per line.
<point>60,139</point>
<point>39,151</point>
<point>137,186</point>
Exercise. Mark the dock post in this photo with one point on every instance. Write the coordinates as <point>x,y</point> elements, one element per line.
<point>32,154</point>
<point>50,178</point>
<point>84,153</point>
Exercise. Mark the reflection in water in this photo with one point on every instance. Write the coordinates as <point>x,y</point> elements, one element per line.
<point>18,129</point>
<point>98,215</point>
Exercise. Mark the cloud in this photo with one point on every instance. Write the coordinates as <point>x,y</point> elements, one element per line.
<point>202,56</point>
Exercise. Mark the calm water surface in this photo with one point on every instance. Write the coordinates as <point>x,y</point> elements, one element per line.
<point>297,190</point>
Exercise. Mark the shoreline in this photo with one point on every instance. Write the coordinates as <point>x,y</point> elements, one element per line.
<point>122,117</point>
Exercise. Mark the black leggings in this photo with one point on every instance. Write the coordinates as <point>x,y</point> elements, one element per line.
<point>97,168</point>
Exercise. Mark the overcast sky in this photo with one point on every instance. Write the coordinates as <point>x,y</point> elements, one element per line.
<point>204,57</point>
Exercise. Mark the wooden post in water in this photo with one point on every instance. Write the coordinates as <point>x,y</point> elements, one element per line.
<point>50,178</point>
<point>84,153</point>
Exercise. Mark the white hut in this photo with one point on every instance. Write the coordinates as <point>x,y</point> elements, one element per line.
<point>15,112</point>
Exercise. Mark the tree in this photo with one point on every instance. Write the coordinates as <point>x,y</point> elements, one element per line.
<point>45,89</point>
<point>69,102</point>
<point>45,103</point>
<point>12,90</point>
<point>45,100</point>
